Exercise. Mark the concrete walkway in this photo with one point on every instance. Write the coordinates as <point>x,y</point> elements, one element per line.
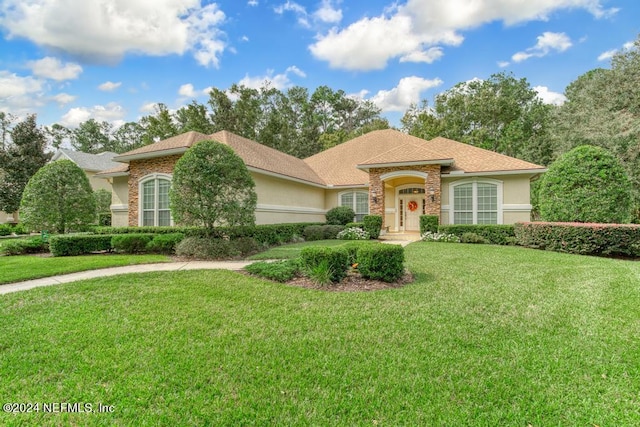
<point>114,271</point>
<point>390,238</point>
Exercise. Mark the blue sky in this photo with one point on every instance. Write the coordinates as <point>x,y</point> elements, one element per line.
<point>72,60</point>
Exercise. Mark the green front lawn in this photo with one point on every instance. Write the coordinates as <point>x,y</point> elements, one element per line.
<point>27,267</point>
<point>486,336</point>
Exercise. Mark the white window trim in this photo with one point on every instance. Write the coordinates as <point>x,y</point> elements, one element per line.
<point>141,182</point>
<point>475,182</point>
<point>354,199</point>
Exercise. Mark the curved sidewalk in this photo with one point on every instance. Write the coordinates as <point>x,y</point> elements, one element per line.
<point>114,271</point>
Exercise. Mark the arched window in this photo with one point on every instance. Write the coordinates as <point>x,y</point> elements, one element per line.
<point>477,202</point>
<point>154,200</point>
<point>356,200</point>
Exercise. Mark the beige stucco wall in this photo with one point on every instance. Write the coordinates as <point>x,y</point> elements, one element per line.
<point>97,183</point>
<point>282,201</point>
<point>7,217</point>
<point>120,201</point>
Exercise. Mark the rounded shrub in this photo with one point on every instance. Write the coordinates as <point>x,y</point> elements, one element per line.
<point>381,262</point>
<point>164,243</point>
<point>341,215</point>
<point>206,248</point>
<point>372,225</point>
<point>586,184</point>
<point>334,260</point>
<point>131,243</point>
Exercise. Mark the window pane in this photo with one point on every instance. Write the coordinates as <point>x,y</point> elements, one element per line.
<point>163,194</point>
<point>463,217</point>
<point>347,200</point>
<point>487,197</point>
<point>463,204</point>
<point>148,195</point>
<point>147,218</point>
<point>164,218</point>
<point>487,217</point>
<point>362,203</point>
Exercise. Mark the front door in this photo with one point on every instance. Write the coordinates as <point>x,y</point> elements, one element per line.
<point>411,210</point>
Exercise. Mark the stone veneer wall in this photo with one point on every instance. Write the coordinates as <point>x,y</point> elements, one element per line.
<point>433,180</point>
<point>138,169</point>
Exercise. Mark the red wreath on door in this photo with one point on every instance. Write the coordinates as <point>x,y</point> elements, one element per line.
<point>412,205</point>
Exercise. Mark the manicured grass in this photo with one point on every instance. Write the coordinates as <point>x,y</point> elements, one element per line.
<point>294,249</point>
<point>27,267</point>
<point>486,336</point>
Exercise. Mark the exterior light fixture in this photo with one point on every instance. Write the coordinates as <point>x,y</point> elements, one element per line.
<point>374,196</point>
<point>432,194</point>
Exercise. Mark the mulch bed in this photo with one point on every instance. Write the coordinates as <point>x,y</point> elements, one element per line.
<point>352,283</point>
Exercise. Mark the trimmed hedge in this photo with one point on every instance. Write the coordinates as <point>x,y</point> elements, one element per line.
<point>372,225</point>
<point>71,245</point>
<point>381,262</point>
<point>34,245</point>
<point>491,233</point>
<point>429,223</point>
<point>581,238</point>
<point>280,271</point>
<point>321,232</point>
<point>267,234</point>
<point>337,260</point>
<point>131,243</point>
<point>164,243</point>
<point>204,248</point>
<point>340,215</point>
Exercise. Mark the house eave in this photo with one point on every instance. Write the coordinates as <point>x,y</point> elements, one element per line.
<point>286,177</point>
<point>493,173</point>
<point>150,155</point>
<point>443,162</point>
<point>111,175</point>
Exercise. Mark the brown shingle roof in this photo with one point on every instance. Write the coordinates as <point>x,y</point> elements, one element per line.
<point>118,170</point>
<point>252,153</point>
<point>338,165</point>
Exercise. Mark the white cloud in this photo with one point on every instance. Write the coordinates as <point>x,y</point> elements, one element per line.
<point>13,85</point>
<point>402,30</point>
<point>406,93</point>
<point>244,38</point>
<point>63,99</point>
<point>112,113</point>
<point>187,91</point>
<point>503,64</point>
<point>428,56</point>
<point>547,42</point>
<point>108,31</point>
<point>297,9</point>
<point>54,69</point>
<point>328,13</point>
<point>550,97</point>
<point>604,56</point>
<point>148,107</point>
<point>278,81</point>
<point>252,2</point>
<point>109,86</point>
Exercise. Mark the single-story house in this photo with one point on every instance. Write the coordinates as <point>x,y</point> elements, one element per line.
<point>384,172</point>
<point>89,163</point>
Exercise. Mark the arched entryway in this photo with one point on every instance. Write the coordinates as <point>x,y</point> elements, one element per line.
<point>411,203</point>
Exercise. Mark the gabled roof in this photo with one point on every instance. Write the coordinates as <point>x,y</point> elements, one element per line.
<point>254,155</point>
<point>86,161</point>
<point>342,165</point>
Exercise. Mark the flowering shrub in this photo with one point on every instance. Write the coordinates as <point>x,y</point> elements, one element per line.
<point>353,233</point>
<point>440,237</point>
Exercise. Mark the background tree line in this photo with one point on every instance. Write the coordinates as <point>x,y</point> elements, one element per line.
<point>501,113</point>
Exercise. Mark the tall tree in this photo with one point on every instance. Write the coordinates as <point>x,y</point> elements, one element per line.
<point>20,161</point>
<point>194,117</point>
<point>6,120</point>
<point>92,137</point>
<point>158,126</point>
<point>501,114</point>
<point>127,137</point>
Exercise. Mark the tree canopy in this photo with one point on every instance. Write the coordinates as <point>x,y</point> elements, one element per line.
<point>58,198</point>
<point>212,187</point>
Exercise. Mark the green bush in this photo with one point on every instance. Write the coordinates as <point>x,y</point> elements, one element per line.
<point>587,184</point>
<point>372,225</point>
<point>341,215</point>
<point>313,232</point>
<point>246,246</point>
<point>330,232</point>
<point>280,271</point>
<point>336,260</point>
<point>5,229</point>
<point>164,243</point>
<point>579,238</point>
<point>354,225</point>
<point>322,274</point>
<point>429,223</point>
<point>131,243</point>
<point>34,245</point>
<point>205,248</point>
<point>80,244</point>
<point>352,250</point>
<point>472,238</point>
<point>20,229</point>
<point>381,262</point>
<point>495,234</point>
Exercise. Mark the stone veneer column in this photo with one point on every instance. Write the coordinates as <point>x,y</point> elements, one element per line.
<point>433,181</point>
<point>138,169</point>
<point>376,185</point>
